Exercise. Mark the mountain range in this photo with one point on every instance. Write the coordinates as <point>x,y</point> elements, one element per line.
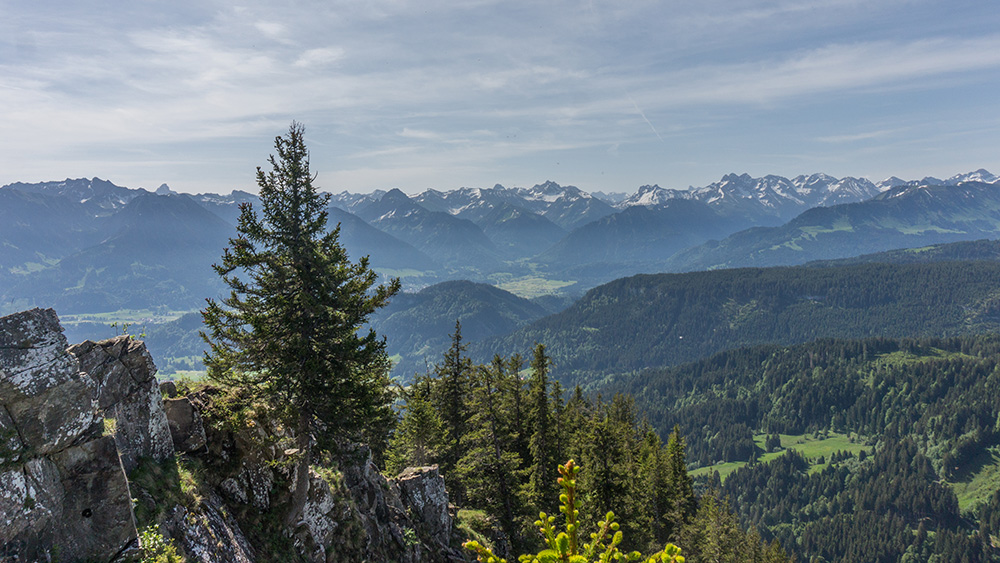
<point>901,217</point>
<point>88,246</point>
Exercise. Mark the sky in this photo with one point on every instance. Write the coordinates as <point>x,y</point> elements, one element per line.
<point>604,95</point>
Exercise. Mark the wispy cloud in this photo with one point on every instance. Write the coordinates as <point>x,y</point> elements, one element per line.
<point>419,134</point>
<point>831,69</point>
<point>319,57</point>
<point>473,85</point>
<point>852,138</point>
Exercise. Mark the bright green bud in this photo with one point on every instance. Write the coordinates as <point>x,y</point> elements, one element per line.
<point>562,544</point>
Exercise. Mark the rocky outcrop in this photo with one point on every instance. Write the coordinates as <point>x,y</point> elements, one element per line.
<point>48,400</point>
<point>209,535</point>
<point>406,517</point>
<point>63,493</point>
<point>351,514</point>
<point>127,391</point>
<point>422,492</point>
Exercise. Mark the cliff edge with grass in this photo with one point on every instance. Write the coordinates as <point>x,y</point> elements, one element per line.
<point>98,463</point>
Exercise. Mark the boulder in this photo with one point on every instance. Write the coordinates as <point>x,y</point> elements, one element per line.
<point>186,427</point>
<point>168,389</point>
<point>127,391</point>
<point>46,398</point>
<point>96,505</point>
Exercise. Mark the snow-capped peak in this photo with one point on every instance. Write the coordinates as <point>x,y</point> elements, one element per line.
<point>981,175</point>
<point>652,195</point>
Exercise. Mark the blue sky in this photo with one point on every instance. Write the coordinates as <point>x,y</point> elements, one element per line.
<point>415,95</point>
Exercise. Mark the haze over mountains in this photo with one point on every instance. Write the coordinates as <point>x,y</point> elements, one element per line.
<point>90,247</point>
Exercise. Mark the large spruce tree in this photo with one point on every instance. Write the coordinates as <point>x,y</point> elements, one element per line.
<point>289,333</point>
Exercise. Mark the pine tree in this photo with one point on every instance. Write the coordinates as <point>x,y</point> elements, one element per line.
<point>490,465</point>
<point>450,393</point>
<point>288,333</point>
<point>514,401</point>
<point>575,415</point>
<point>684,501</point>
<point>560,437</point>
<point>542,443</point>
<point>420,433</point>
<point>649,526</point>
<point>606,454</point>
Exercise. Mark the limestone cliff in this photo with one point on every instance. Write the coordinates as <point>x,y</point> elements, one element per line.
<point>63,493</point>
<point>75,421</point>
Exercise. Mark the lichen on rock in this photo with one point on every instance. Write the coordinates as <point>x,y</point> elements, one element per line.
<point>127,391</point>
<point>62,488</point>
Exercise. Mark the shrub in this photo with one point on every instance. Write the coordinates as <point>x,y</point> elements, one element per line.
<point>156,549</point>
<point>565,546</point>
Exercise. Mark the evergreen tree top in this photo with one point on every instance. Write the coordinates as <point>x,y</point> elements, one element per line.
<point>289,332</point>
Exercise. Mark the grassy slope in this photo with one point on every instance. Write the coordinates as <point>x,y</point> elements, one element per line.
<point>812,447</point>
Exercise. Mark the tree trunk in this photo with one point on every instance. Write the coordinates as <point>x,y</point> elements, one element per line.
<point>301,491</point>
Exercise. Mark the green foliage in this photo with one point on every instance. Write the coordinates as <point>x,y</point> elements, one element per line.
<point>160,486</point>
<point>631,472</point>
<point>122,330</point>
<point>648,321</point>
<point>715,534</point>
<point>420,434</point>
<point>565,546</point>
<point>491,468</point>
<point>288,332</point>
<point>449,395</point>
<point>542,443</point>
<point>927,409</point>
<point>155,548</point>
<point>475,525</point>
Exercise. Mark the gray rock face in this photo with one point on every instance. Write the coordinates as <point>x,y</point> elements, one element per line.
<point>127,391</point>
<point>62,488</point>
<point>405,518</point>
<point>11,446</point>
<point>97,508</point>
<point>210,535</point>
<point>422,491</point>
<point>48,402</point>
<point>186,427</point>
<point>315,536</point>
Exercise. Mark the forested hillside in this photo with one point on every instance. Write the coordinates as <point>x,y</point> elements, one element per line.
<point>912,429</point>
<point>984,249</point>
<point>666,319</point>
<point>417,325</point>
<point>498,431</point>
